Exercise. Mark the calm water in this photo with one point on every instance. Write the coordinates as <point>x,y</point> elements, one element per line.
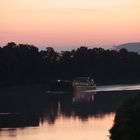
<point>28,113</point>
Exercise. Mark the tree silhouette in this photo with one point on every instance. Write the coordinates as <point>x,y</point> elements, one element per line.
<point>23,63</point>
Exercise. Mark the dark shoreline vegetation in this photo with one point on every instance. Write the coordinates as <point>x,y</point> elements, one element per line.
<point>26,64</point>
<point>127,121</point>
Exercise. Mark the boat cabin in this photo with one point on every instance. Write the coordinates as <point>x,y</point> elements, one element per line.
<point>83,81</point>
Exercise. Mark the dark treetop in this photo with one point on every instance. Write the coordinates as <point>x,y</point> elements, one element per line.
<point>26,64</point>
<point>127,121</point>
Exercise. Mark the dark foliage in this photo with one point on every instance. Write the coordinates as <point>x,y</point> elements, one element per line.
<point>25,64</point>
<point>127,121</point>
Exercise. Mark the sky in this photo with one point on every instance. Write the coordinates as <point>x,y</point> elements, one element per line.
<point>65,24</point>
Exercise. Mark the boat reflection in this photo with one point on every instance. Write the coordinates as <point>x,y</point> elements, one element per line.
<point>84,96</point>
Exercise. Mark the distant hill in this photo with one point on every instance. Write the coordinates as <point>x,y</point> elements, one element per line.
<point>132,47</point>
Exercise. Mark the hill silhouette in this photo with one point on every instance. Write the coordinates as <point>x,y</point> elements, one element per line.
<point>132,47</point>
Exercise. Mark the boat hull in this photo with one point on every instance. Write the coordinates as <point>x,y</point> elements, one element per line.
<point>79,88</point>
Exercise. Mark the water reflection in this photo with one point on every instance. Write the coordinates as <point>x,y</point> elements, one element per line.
<point>64,128</point>
<point>29,107</point>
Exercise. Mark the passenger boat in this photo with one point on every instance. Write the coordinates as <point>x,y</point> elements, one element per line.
<point>82,84</point>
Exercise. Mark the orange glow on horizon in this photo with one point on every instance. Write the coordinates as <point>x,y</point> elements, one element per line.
<point>70,23</point>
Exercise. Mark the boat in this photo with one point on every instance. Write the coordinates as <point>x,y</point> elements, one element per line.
<point>60,87</point>
<point>82,84</point>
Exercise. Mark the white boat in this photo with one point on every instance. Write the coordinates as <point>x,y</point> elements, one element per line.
<point>82,84</point>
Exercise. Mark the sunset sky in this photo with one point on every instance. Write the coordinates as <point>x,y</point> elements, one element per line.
<point>69,23</point>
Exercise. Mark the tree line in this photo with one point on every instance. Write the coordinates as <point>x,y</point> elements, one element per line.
<point>26,64</point>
